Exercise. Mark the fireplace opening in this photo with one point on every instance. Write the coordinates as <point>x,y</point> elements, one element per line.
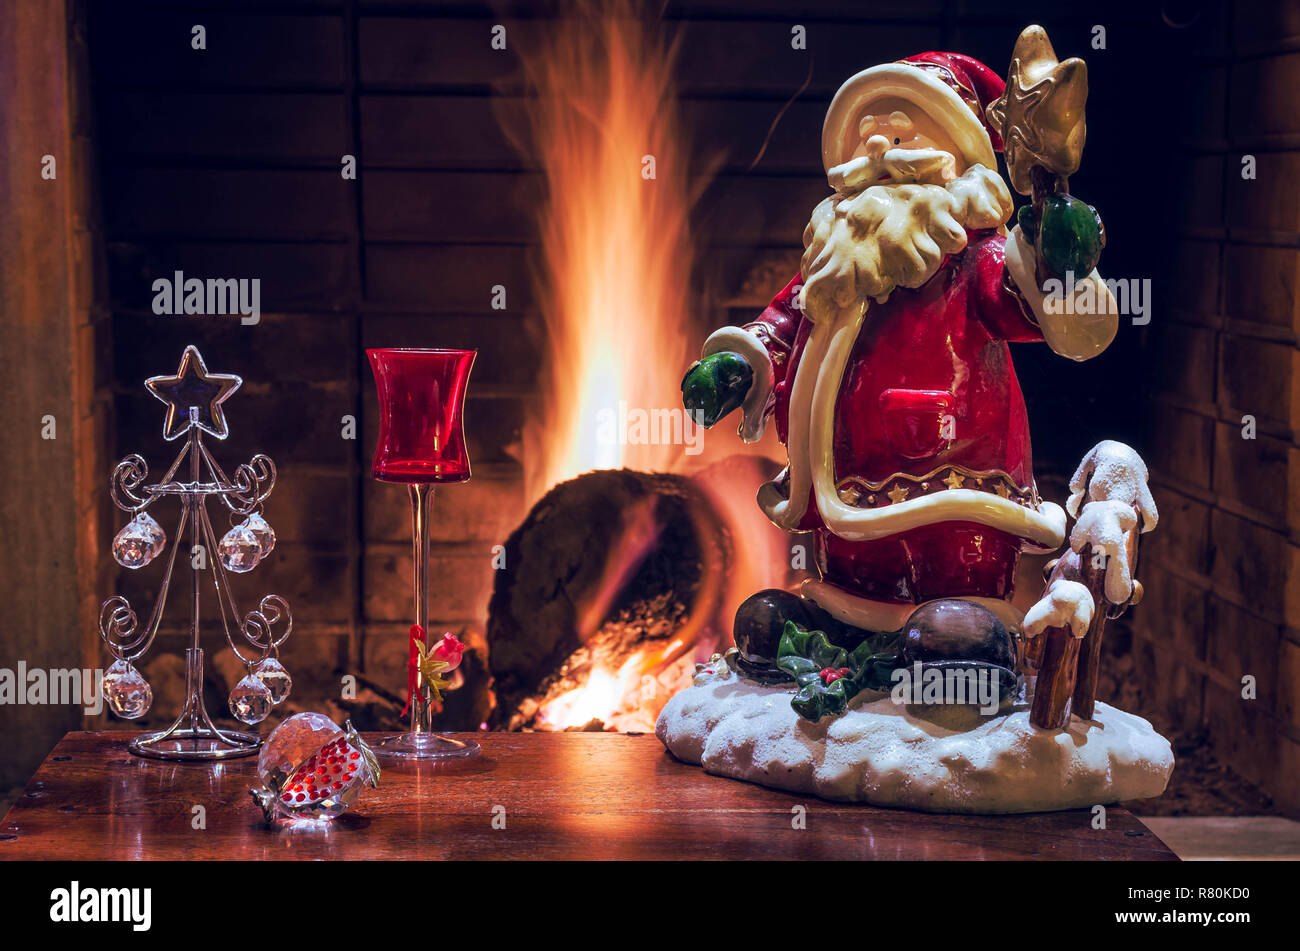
<point>613,588</point>
<point>579,175</point>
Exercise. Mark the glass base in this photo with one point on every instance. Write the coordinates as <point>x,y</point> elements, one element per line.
<point>426,746</point>
<point>190,744</point>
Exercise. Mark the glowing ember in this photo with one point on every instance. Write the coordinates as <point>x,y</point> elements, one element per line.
<point>627,700</point>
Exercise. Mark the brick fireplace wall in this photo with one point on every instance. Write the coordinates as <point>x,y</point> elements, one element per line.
<point>226,163</point>
<point>1223,572</point>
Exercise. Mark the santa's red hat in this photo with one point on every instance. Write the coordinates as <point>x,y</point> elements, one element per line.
<point>952,89</point>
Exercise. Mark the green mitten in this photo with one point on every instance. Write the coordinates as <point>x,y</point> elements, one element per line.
<point>716,385</point>
<point>1067,235</point>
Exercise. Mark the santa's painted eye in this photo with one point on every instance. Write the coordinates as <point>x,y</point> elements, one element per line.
<point>896,141</point>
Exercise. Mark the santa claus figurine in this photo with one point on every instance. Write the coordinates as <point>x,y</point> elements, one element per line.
<point>885,367</point>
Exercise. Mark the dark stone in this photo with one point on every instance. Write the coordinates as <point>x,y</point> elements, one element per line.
<point>958,634</point>
<point>953,629</point>
<point>761,619</point>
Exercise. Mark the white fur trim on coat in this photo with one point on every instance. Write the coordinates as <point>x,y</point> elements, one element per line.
<point>872,615</point>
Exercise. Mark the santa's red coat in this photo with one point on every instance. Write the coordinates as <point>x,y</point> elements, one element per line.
<point>938,351</point>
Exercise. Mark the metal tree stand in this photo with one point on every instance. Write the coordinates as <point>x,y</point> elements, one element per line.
<point>193,736</point>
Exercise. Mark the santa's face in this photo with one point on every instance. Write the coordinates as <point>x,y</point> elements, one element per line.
<point>893,134</point>
<point>903,201</point>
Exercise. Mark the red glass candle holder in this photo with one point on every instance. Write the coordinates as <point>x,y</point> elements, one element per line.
<point>421,443</point>
<point>421,404</point>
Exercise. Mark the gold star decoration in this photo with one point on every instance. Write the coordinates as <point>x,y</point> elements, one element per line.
<point>1002,490</point>
<point>193,387</point>
<point>1041,113</point>
<point>897,494</point>
<point>954,481</point>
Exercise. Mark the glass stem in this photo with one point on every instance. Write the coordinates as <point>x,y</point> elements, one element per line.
<point>194,656</point>
<point>421,505</point>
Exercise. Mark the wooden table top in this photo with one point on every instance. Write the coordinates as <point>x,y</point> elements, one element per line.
<point>565,796</point>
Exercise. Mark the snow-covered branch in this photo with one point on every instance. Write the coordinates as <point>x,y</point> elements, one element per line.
<point>1113,471</point>
<point>1106,526</point>
<point>1063,604</point>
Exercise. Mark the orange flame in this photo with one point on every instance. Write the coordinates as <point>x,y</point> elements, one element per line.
<point>616,252</point>
<point>615,240</point>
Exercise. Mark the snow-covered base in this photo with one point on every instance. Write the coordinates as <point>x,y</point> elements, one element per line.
<point>935,759</point>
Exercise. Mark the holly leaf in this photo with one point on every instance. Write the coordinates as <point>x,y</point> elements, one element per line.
<point>794,641</point>
<point>838,694</point>
<point>822,652</point>
<point>808,703</point>
<point>798,667</point>
<point>805,655</point>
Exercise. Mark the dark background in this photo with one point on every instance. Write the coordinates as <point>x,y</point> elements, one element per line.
<point>225,163</point>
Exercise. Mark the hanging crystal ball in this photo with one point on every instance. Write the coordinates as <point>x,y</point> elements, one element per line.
<point>139,541</point>
<point>128,694</point>
<point>250,701</point>
<point>239,550</point>
<point>263,531</point>
<point>277,680</point>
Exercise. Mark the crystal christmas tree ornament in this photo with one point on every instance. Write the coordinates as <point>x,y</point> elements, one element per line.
<point>312,769</point>
<point>194,397</point>
<point>139,541</point>
<point>239,550</point>
<point>250,701</point>
<point>128,694</point>
<point>276,679</point>
<point>262,531</point>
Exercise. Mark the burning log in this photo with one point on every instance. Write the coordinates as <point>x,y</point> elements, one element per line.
<point>606,586</point>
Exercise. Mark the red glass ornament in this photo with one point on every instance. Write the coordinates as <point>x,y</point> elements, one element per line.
<point>421,404</point>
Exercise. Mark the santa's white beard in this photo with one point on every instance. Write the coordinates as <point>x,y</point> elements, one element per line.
<point>868,239</point>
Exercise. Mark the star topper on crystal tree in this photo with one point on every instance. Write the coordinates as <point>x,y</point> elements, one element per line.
<point>194,398</point>
<point>193,386</point>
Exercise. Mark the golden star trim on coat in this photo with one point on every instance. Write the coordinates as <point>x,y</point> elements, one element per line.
<point>864,493</point>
